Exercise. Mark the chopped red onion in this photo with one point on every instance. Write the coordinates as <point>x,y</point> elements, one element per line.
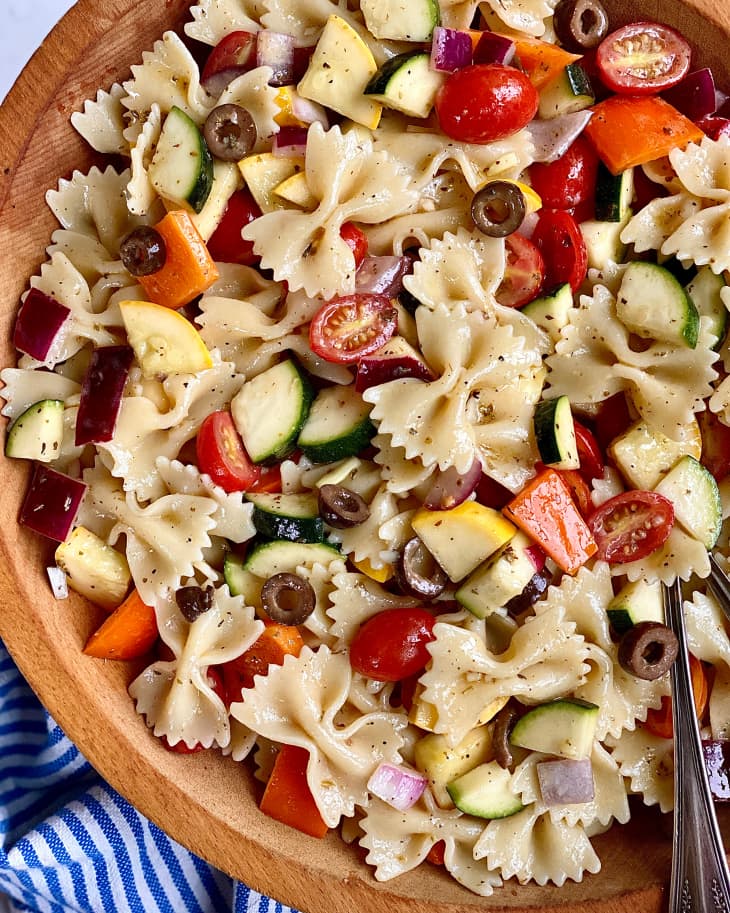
<point>290,142</point>
<point>537,556</point>
<point>101,393</point>
<point>382,275</point>
<point>451,487</point>
<point>717,764</point>
<point>494,48</point>
<point>52,502</point>
<point>309,112</point>
<point>694,96</point>
<point>400,787</point>
<point>450,49</point>
<point>552,137</point>
<point>276,50</point>
<point>59,584</point>
<point>713,126</point>
<point>39,322</point>
<point>566,782</point>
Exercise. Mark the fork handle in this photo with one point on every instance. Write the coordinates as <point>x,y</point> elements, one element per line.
<point>700,881</point>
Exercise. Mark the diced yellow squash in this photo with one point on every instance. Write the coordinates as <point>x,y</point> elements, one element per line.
<point>340,68</point>
<point>379,574</point>
<point>644,455</point>
<point>461,538</point>
<point>94,569</point>
<point>226,181</point>
<point>286,101</point>
<point>296,190</point>
<point>422,713</point>
<point>263,173</point>
<point>164,341</point>
<point>442,763</point>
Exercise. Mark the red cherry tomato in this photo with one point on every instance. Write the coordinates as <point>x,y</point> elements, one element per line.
<point>562,247</point>
<point>715,445</point>
<point>356,240</point>
<point>714,127</point>
<point>589,453</point>
<point>524,272</point>
<point>391,645</point>
<point>485,102</point>
<point>643,58</point>
<point>659,722</point>
<point>568,181</point>
<point>344,329</point>
<point>613,418</point>
<point>226,244</point>
<point>222,456</point>
<point>631,525</point>
<point>233,55</point>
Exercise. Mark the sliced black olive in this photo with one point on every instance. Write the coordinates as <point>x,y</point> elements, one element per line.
<point>230,132</point>
<point>498,208</point>
<point>288,599</point>
<point>647,650</point>
<point>143,251</point>
<point>503,723</point>
<point>536,586</point>
<point>341,508</point>
<point>193,601</point>
<point>417,571</point>
<point>580,24</point>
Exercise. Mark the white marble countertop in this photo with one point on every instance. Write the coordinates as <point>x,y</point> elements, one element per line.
<point>25,23</point>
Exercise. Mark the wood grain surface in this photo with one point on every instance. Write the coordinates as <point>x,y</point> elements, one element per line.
<point>205,801</point>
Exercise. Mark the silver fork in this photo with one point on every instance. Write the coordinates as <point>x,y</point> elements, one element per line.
<point>700,882</point>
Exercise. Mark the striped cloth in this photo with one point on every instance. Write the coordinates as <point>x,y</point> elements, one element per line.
<point>69,842</point>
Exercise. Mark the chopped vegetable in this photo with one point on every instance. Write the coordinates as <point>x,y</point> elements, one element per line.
<point>643,58</point>
<point>659,721</point>
<point>566,782</point>
<point>52,502</point>
<point>271,649</point>
<point>631,525</point>
<point>399,786</point>
<point>38,324</point>
<point>391,645</point>
<point>541,60</point>
<point>101,393</point>
<point>130,631</point>
<point>287,796</point>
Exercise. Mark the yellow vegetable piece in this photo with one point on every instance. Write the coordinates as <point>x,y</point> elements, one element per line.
<point>296,190</point>
<point>94,569</point>
<point>263,173</point>
<point>164,342</point>
<point>379,574</point>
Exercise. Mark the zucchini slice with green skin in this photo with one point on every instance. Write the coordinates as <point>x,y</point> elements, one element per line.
<point>407,83</point>
<point>401,20</point>
<point>281,556</point>
<point>551,311</point>
<point>555,434</point>
<point>270,410</point>
<point>636,602</point>
<point>603,242</point>
<point>614,193</point>
<point>696,498</point>
<point>652,303</point>
<point>181,169</point>
<point>569,92</point>
<point>37,433</point>
<point>485,792</point>
<point>338,425</point>
<point>704,290</point>
<point>565,727</point>
<point>287,516</point>
<point>239,581</point>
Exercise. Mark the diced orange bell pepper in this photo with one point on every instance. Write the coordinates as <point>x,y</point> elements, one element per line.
<point>287,796</point>
<point>541,60</point>
<point>130,631</point>
<point>628,130</point>
<point>273,646</point>
<point>189,268</point>
<point>546,511</point>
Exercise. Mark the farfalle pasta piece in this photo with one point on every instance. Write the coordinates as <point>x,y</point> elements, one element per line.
<point>400,474</point>
<point>322,580</point>
<point>647,762</point>
<point>594,359</point>
<point>101,123</point>
<point>524,16</point>
<point>384,533</point>
<point>90,258</point>
<point>24,386</point>
<point>350,180</point>
<point>214,19</point>
<point>175,695</point>
<point>680,556</point>
<point>545,659</point>
<point>141,195</point>
<point>298,704</point>
<point>356,598</point>
<point>252,91</point>
<point>708,640</point>
<point>398,841</point>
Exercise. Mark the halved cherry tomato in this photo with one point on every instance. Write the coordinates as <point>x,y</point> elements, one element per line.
<point>659,722</point>
<point>524,272</point>
<point>631,525</point>
<point>436,854</point>
<point>568,181</point>
<point>391,645</point>
<point>226,244</point>
<point>485,102</point>
<point>589,453</point>
<point>643,58</point>
<point>563,249</point>
<point>715,444</point>
<point>344,329</point>
<point>234,54</point>
<point>356,240</point>
<point>222,456</point>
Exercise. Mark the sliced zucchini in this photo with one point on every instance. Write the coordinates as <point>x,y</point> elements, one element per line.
<point>614,193</point>
<point>287,516</point>
<point>635,602</point>
<point>603,242</point>
<point>407,83</point>
<point>37,433</point>
<point>241,582</point>
<point>565,727</point>
<point>704,290</point>
<point>499,579</point>
<point>551,311</point>
<point>696,498</point>
<point>401,20</point>
<point>653,304</point>
<point>94,569</point>
<point>555,433</point>
<point>276,557</point>
<point>270,410</point>
<point>643,455</point>
<point>443,763</point>
<point>485,792</point>
<point>338,425</point>
<point>570,91</point>
<point>181,169</point>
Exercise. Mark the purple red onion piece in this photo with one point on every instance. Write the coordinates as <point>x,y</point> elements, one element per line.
<point>566,782</point>
<point>452,487</point>
<point>400,787</point>
<point>101,393</point>
<point>39,322</point>
<point>494,48</point>
<point>552,137</point>
<point>51,503</point>
<point>694,96</point>
<point>450,49</point>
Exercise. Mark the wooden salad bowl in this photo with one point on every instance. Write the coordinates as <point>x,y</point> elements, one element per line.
<point>205,801</point>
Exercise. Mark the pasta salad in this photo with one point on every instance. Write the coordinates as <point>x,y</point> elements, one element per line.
<point>375,399</point>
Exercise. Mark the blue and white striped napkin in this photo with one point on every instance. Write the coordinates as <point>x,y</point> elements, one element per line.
<point>70,844</point>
